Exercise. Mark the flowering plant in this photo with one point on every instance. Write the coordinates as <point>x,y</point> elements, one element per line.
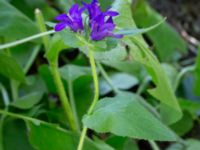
<point>56,81</point>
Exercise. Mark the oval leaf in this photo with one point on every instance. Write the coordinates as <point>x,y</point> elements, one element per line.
<point>125,116</point>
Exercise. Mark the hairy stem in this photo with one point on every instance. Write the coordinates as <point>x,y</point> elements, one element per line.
<point>63,97</point>
<point>96,97</point>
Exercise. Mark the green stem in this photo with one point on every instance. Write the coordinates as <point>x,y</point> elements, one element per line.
<point>63,97</point>
<point>82,138</point>
<point>96,82</point>
<point>96,97</point>
<point>73,103</point>
<point>106,77</point>
<point>26,118</point>
<point>12,44</point>
<point>154,145</point>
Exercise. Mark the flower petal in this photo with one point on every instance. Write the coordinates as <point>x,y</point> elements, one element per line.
<point>108,26</point>
<point>95,1</point>
<point>61,17</point>
<point>60,26</point>
<point>73,10</point>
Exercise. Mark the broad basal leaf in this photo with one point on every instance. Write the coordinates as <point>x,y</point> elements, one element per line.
<point>123,115</point>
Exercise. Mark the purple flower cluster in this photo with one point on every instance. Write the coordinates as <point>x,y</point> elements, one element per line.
<point>100,23</point>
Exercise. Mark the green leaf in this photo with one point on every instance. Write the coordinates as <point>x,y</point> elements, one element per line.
<point>102,145</point>
<point>125,116</point>
<point>15,136</point>
<point>34,82</point>
<point>130,145</point>
<point>168,43</point>
<point>72,39</point>
<point>124,20</point>
<point>105,45</point>
<point>10,68</point>
<point>28,8</point>
<point>73,72</point>
<point>48,137</point>
<point>45,74</point>
<point>190,106</point>
<point>84,96</point>
<point>193,144</point>
<point>170,109</point>
<point>184,125</point>
<point>45,136</point>
<point>116,79</point>
<point>13,22</point>
<point>22,53</point>
<point>139,52</point>
<point>27,101</point>
<point>117,142</point>
<point>131,67</point>
<point>115,54</point>
<point>55,46</point>
<point>171,73</point>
